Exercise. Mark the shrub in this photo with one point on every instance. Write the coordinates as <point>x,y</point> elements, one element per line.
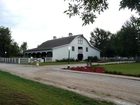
<point>92,59</point>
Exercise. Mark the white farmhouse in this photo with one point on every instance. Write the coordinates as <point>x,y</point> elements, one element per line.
<point>73,46</point>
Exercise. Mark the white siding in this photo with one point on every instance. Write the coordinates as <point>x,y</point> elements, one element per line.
<point>62,51</point>
<point>91,51</point>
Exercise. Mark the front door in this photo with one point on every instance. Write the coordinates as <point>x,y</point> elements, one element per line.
<point>80,53</point>
<point>80,57</point>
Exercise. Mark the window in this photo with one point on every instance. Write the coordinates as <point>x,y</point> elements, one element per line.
<point>86,49</point>
<point>80,40</point>
<point>73,49</point>
<point>80,48</point>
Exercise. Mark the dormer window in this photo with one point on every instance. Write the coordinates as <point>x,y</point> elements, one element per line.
<point>80,40</point>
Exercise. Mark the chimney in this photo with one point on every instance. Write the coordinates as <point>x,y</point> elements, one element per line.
<point>70,34</point>
<point>54,37</point>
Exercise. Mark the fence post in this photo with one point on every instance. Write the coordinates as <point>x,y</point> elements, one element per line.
<point>29,60</point>
<point>18,60</point>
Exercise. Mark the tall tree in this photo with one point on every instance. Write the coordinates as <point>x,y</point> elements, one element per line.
<point>100,39</point>
<point>23,47</point>
<point>127,40</point>
<point>5,41</point>
<point>14,50</point>
<point>8,47</point>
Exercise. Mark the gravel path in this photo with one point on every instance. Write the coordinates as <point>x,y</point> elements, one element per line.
<point>119,89</point>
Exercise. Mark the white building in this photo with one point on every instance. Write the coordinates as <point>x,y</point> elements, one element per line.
<point>73,46</point>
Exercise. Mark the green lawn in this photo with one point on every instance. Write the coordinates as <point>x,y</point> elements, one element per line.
<point>127,69</point>
<point>57,63</point>
<point>17,91</point>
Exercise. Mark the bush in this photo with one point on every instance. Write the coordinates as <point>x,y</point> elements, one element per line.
<point>137,59</point>
<point>92,59</point>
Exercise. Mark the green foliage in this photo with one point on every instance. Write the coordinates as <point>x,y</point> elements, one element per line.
<point>127,40</point>
<point>14,50</point>
<point>125,43</point>
<point>8,48</point>
<point>100,39</point>
<point>86,9</point>
<point>131,4</point>
<point>92,59</point>
<point>23,48</point>
<point>17,91</point>
<point>5,41</point>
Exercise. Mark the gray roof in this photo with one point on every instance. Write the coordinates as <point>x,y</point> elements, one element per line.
<point>54,43</point>
<point>50,44</point>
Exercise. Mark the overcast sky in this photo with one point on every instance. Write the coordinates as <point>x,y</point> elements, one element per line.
<point>36,21</point>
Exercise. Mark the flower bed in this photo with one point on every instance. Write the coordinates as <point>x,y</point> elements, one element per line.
<point>88,69</point>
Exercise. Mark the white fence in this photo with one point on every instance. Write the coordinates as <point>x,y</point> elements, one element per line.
<point>23,60</point>
<point>117,62</point>
<point>15,60</point>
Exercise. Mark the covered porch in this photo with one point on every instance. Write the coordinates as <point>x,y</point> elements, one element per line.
<point>46,55</point>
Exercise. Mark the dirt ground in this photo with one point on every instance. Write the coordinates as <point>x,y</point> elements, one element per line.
<point>121,90</point>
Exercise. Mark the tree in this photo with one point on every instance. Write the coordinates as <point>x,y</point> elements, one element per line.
<point>127,38</point>
<point>14,50</point>
<point>131,4</point>
<point>8,48</point>
<point>126,42</point>
<point>5,41</point>
<point>23,47</point>
<point>100,39</point>
<point>86,9</point>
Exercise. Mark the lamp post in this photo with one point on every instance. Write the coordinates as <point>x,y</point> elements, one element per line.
<point>69,56</point>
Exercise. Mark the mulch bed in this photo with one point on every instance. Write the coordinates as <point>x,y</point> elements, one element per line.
<point>88,69</point>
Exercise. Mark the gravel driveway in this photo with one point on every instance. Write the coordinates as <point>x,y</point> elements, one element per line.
<point>118,89</point>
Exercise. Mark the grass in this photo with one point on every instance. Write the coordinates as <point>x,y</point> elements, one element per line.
<point>131,69</point>
<point>56,63</point>
<point>18,91</point>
